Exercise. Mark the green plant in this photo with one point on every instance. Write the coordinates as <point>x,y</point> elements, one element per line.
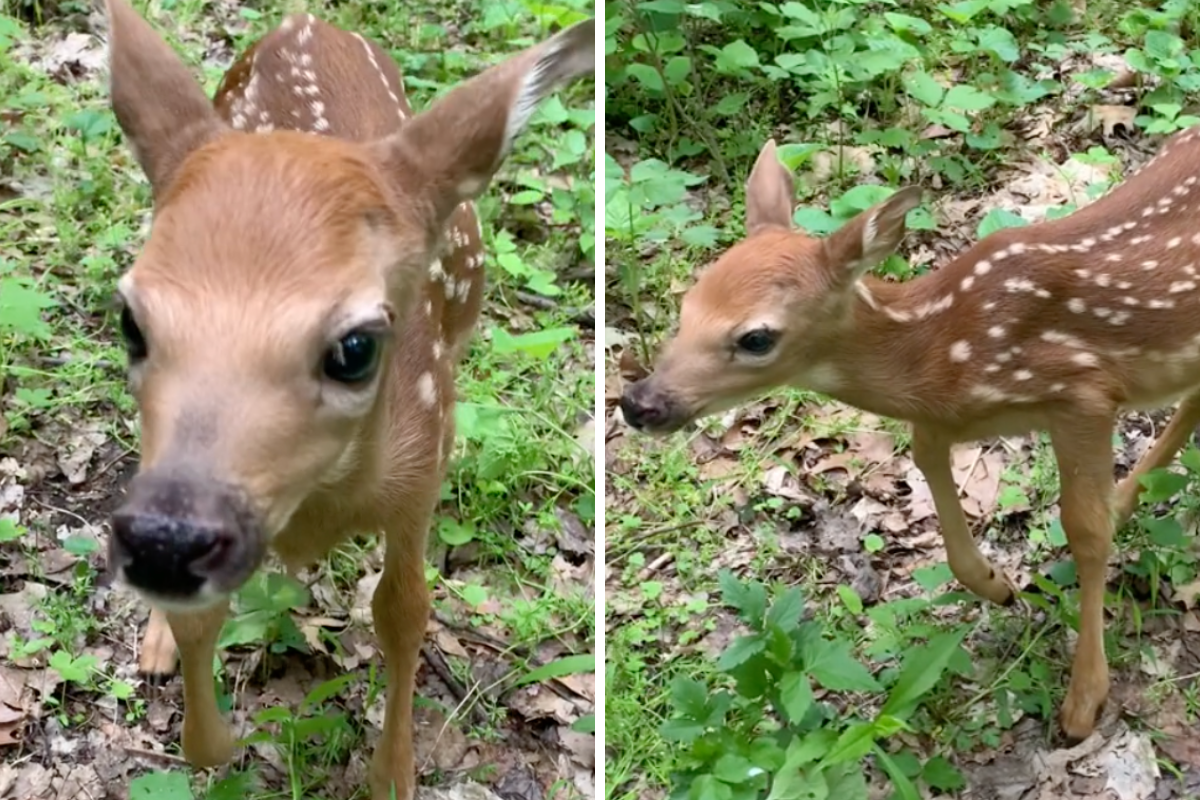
<point>770,737</point>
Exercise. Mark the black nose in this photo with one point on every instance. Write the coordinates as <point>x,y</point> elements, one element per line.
<point>638,412</point>
<point>172,536</point>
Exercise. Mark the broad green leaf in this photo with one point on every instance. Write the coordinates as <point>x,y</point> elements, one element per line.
<point>905,790</point>
<point>967,98</point>
<point>1162,484</point>
<point>924,88</point>
<point>689,697</point>
<point>922,669</point>
<point>741,649</point>
<point>834,666</point>
<point>735,769</point>
<point>796,694</point>
<point>942,775</point>
<point>997,219</point>
<point>707,787</point>
<point>736,56</point>
<point>161,786</point>
<point>785,612</point>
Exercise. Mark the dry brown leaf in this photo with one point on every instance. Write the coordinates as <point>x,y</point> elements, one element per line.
<point>977,475</point>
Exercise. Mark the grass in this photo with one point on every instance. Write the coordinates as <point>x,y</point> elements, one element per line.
<point>813,500</point>
<point>513,536</point>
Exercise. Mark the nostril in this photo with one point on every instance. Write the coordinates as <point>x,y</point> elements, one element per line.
<point>168,555</point>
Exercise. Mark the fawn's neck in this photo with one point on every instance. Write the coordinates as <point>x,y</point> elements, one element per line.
<point>891,359</point>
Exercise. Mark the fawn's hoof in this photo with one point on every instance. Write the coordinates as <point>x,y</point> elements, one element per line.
<point>211,747</point>
<point>1079,716</point>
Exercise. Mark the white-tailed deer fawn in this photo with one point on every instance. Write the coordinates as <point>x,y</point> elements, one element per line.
<point>1056,326</point>
<point>312,276</point>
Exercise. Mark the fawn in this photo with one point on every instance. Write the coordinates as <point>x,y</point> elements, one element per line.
<point>1057,326</point>
<point>312,277</point>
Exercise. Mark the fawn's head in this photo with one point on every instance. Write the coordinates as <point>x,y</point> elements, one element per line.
<point>261,315</point>
<point>769,311</point>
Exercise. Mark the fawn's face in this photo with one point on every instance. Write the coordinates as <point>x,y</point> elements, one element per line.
<point>280,268</point>
<point>766,312</point>
<point>256,351</point>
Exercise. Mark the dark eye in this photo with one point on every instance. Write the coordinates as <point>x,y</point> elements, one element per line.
<point>353,359</point>
<point>758,342</point>
<point>135,342</point>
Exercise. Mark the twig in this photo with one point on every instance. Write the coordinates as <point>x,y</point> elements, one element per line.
<point>654,566</point>
<point>168,757</point>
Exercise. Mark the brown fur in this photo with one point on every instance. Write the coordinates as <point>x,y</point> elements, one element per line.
<point>1056,326</point>
<point>263,245</point>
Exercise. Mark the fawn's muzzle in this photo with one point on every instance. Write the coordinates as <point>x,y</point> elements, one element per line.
<point>650,410</point>
<point>185,540</point>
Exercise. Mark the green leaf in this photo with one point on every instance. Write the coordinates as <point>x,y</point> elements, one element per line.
<point>833,665</point>
<point>940,774</point>
<point>922,87</point>
<point>328,689</point>
<point>997,219</point>
<point>796,694</point>
<point>967,98</point>
<point>238,786</point>
<point>733,768</point>
<point>736,56</point>
<point>161,786</point>
<point>539,344</point>
<point>474,595</point>
<point>681,730</point>
<point>786,610</point>
<point>561,667</point>
<point>677,69</point>
<point>689,697</point>
<point>905,790</point>
<point>1160,485</point>
<point>10,530</point>
<point>647,76</point>
<point>21,307</point>
<point>455,533</point>
<point>750,599</point>
<point>741,649</point>
<point>853,743</point>
<point>1000,42</point>
<point>707,787</point>
<point>585,724</point>
<point>922,669</point>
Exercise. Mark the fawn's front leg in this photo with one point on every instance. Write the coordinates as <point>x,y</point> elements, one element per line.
<point>207,740</point>
<point>1082,446</point>
<point>401,611</point>
<point>158,658</point>
<point>931,454</point>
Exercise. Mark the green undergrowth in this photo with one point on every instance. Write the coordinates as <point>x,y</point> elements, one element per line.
<point>737,666</point>
<point>72,211</point>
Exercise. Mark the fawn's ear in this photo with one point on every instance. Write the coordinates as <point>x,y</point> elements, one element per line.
<point>873,235</point>
<point>452,150</point>
<point>770,192</point>
<point>160,107</point>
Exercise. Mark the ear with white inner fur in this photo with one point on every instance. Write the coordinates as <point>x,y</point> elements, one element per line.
<point>452,150</point>
<point>770,192</point>
<point>159,105</point>
<point>873,235</point>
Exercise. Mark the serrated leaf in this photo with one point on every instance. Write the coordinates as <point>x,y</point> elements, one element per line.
<point>940,774</point>
<point>689,697</point>
<point>785,612</point>
<point>1162,484</point>
<point>833,665</point>
<point>796,694</point>
<point>740,650</point>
